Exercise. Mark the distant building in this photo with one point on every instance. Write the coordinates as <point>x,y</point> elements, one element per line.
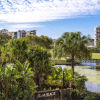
<point>97,35</point>
<point>4,31</point>
<point>32,32</point>
<point>91,41</point>
<point>13,34</point>
<point>21,34</point>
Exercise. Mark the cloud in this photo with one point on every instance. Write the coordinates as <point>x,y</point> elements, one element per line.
<point>19,26</point>
<point>23,26</point>
<point>46,10</point>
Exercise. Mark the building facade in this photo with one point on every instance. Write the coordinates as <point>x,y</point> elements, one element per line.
<point>32,32</point>
<point>97,35</point>
<point>21,34</point>
<point>13,35</point>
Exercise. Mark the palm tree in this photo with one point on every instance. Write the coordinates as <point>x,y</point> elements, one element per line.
<point>74,45</point>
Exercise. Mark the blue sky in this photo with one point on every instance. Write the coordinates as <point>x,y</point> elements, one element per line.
<point>50,17</point>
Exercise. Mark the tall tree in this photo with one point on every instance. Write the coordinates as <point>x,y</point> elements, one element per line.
<point>40,62</point>
<point>73,44</point>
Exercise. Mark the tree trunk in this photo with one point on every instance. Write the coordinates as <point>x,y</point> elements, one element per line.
<point>73,64</point>
<point>6,93</point>
<point>38,77</point>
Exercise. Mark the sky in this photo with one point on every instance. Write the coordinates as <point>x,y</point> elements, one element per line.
<point>50,17</point>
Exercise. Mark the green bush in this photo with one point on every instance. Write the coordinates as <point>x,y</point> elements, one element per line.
<point>65,78</point>
<point>16,82</point>
<point>86,95</point>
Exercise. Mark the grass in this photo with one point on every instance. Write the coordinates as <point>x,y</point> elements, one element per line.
<point>63,59</point>
<point>95,55</point>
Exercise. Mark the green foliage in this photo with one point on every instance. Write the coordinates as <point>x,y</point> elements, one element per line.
<point>86,95</point>
<point>40,62</point>
<point>79,82</point>
<point>14,50</point>
<point>56,78</point>
<point>46,41</point>
<point>18,49</point>
<point>4,39</point>
<point>39,58</point>
<point>72,44</point>
<point>16,82</point>
<point>42,41</point>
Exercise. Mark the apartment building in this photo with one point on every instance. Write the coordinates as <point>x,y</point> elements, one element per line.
<point>97,35</point>
<point>21,33</point>
<point>13,34</point>
<point>32,32</point>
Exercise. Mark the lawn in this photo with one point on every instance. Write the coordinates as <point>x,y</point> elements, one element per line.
<point>95,55</point>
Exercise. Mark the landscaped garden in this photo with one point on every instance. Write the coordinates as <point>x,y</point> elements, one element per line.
<point>26,65</point>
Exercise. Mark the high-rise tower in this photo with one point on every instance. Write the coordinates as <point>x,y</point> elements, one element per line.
<point>97,35</point>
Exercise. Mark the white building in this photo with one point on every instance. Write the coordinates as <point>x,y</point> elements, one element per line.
<point>97,35</point>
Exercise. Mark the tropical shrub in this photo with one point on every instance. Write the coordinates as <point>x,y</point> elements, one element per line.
<point>16,82</point>
<point>55,78</point>
<point>63,78</point>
